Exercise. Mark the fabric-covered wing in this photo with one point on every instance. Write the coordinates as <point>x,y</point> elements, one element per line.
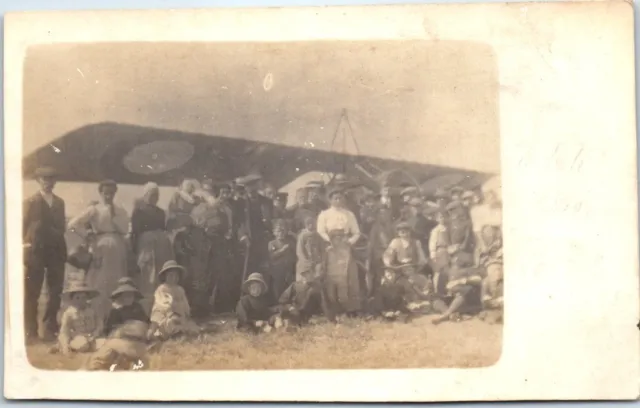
<point>134,155</point>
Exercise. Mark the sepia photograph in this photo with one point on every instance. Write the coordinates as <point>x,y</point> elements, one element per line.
<point>319,204</point>
<point>183,200</point>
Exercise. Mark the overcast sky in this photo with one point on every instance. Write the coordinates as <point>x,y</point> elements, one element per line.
<point>430,102</point>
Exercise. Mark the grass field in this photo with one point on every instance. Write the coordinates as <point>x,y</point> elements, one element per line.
<point>352,344</point>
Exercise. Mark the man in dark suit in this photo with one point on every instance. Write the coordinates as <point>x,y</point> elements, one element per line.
<point>254,231</point>
<point>45,251</point>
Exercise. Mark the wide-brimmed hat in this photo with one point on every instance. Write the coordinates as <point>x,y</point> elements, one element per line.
<point>248,179</point>
<point>126,288</point>
<point>255,277</point>
<point>45,172</point>
<point>403,225</point>
<point>77,287</point>
<point>168,266</point>
<point>133,329</point>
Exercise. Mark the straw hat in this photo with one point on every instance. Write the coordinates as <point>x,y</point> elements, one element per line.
<point>168,266</point>
<point>255,277</point>
<point>77,287</point>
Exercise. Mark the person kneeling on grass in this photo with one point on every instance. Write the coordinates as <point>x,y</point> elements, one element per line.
<point>457,290</point>
<point>171,314</point>
<point>125,306</point>
<point>404,287</point>
<point>125,350</point>
<point>80,323</point>
<point>302,299</point>
<point>254,310</point>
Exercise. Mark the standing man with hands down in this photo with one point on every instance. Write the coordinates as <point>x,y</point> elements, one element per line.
<point>45,250</point>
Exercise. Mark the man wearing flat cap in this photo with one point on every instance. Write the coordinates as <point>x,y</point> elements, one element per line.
<point>255,222</point>
<point>45,253</point>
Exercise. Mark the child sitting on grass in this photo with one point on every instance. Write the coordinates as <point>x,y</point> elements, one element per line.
<point>125,306</point>
<point>254,309</point>
<point>171,314</point>
<point>80,326</point>
<point>125,350</point>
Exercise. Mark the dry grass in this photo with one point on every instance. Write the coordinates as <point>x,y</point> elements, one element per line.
<point>352,344</point>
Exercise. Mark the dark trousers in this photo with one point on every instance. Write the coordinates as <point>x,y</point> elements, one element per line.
<point>37,268</point>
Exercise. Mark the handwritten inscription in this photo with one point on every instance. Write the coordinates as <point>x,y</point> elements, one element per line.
<point>563,156</point>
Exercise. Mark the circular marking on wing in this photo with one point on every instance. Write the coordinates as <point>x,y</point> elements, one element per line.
<point>158,157</point>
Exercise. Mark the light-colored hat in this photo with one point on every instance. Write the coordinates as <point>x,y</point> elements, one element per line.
<point>248,179</point>
<point>77,287</point>
<point>168,266</point>
<point>255,277</point>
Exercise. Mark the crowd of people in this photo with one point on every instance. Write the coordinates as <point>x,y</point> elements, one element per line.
<point>340,251</point>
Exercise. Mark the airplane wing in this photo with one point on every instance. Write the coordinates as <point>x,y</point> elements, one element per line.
<point>132,154</point>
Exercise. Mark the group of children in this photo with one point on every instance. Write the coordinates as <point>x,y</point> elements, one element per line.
<point>121,340</point>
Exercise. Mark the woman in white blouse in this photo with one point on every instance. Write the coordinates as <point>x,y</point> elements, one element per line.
<point>338,217</point>
<point>109,224</point>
